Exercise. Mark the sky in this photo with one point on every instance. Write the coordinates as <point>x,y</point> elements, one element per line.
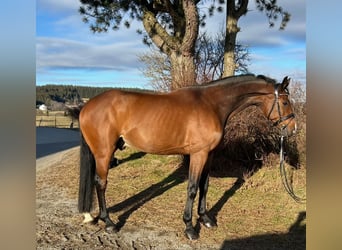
<point>67,52</point>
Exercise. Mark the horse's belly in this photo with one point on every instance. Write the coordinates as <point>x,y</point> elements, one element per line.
<point>156,142</point>
<point>171,142</point>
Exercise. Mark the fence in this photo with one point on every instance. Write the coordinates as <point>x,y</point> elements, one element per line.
<point>55,119</point>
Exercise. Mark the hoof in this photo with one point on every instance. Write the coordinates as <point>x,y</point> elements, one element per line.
<point>207,221</point>
<point>113,163</point>
<point>111,229</point>
<point>191,234</point>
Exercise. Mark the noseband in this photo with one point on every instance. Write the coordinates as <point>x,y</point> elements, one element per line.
<point>276,101</point>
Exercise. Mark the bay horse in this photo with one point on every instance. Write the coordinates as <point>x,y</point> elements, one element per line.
<point>188,121</point>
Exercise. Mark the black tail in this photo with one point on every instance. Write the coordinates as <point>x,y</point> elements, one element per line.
<point>87,174</point>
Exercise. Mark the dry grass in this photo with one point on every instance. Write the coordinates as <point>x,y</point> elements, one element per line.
<point>150,191</point>
<point>56,119</point>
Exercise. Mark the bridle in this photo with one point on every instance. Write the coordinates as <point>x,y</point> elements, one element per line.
<point>276,101</point>
<point>287,185</point>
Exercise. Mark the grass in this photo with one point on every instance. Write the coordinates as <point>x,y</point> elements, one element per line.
<point>150,191</point>
<point>55,119</point>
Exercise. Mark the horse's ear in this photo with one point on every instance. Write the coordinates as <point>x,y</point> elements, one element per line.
<point>286,82</point>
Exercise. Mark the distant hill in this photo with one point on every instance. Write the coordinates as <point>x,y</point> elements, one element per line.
<point>49,94</point>
<point>65,93</point>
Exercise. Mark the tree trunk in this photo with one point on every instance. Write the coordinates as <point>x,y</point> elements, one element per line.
<point>182,70</point>
<point>180,47</point>
<point>229,46</point>
<point>233,13</point>
<point>229,55</point>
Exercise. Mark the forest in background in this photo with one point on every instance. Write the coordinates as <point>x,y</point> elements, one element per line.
<point>59,95</point>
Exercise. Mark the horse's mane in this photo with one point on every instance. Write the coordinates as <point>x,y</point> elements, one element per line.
<point>241,78</point>
<point>267,79</point>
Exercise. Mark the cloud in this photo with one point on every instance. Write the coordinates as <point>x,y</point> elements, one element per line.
<point>66,43</point>
<point>72,54</point>
<point>279,63</point>
<point>69,43</point>
<point>68,52</point>
<point>255,30</point>
<point>60,6</point>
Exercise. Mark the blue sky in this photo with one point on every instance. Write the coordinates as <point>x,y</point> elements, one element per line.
<point>67,52</point>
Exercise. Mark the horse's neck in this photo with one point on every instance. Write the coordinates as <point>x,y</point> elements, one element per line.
<point>231,99</point>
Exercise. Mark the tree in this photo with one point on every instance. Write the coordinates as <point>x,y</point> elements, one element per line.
<point>209,57</point>
<point>171,25</point>
<point>234,10</point>
<point>158,69</point>
<point>209,53</point>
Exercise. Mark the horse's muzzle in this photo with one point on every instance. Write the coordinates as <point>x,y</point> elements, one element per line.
<point>289,128</point>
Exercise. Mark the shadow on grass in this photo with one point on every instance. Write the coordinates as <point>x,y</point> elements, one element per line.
<point>132,157</point>
<point>177,177</point>
<point>136,201</point>
<point>225,197</point>
<point>115,162</point>
<point>295,239</point>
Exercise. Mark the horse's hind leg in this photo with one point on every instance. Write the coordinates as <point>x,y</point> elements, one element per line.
<point>102,166</point>
<point>120,144</point>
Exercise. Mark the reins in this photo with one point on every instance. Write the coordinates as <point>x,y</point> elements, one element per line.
<point>287,185</point>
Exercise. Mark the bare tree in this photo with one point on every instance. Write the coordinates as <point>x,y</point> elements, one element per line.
<point>298,96</point>
<point>209,53</point>
<point>157,69</point>
<point>209,57</point>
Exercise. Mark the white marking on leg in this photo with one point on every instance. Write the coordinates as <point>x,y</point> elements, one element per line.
<point>207,224</point>
<point>87,218</point>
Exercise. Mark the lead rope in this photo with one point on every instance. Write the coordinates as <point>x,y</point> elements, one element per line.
<point>287,185</point>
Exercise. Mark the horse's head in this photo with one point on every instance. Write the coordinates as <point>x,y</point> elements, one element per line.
<point>278,108</point>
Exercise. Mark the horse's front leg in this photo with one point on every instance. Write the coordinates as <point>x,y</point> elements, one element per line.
<point>197,162</point>
<point>203,190</point>
<point>190,231</point>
